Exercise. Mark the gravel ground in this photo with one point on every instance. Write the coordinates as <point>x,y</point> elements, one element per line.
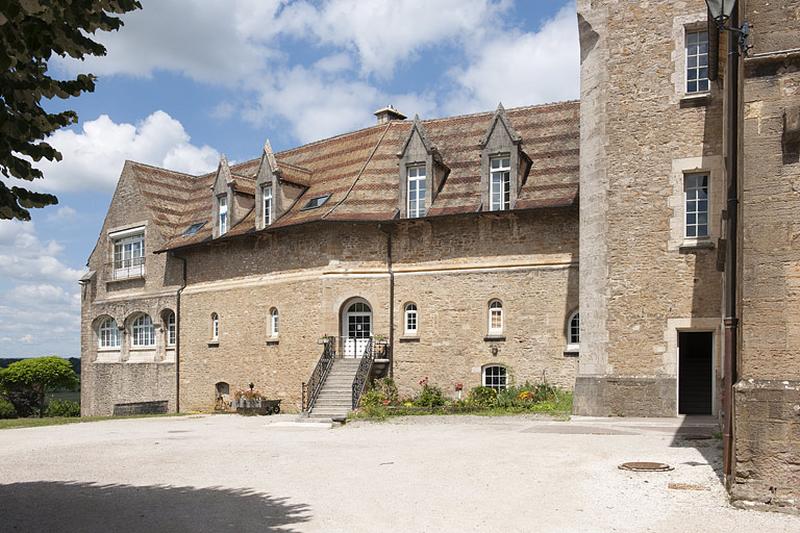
<point>457,473</point>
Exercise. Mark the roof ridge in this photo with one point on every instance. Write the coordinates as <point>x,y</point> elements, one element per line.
<point>148,165</point>
<point>507,110</point>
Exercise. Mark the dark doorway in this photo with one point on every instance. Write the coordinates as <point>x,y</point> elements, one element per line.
<point>695,371</point>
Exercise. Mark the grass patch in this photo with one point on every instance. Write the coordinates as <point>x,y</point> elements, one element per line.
<point>13,423</point>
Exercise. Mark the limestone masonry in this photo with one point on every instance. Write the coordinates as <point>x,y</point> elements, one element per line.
<point>460,247</point>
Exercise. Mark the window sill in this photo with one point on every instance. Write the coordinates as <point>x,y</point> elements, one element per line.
<point>409,338</point>
<point>494,338</point>
<point>108,350</point>
<point>213,343</point>
<point>569,351</point>
<point>143,348</point>
<point>697,244</point>
<point>273,342</point>
<point>695,99</point>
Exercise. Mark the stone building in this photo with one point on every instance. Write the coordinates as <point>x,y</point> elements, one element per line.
<point>449,248</point>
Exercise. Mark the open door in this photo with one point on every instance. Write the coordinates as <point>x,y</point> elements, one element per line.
<point>695,372</point>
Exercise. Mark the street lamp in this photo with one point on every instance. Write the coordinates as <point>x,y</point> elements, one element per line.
<point>720,12</point>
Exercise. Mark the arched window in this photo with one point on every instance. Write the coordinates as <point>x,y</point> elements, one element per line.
<point>143,334</point>
<point>495,377</point>
<point>214,326</point>
<point>411,320</point>
<point>574,330</point>
<point>495,317</point>
<point>169,319</point>
<point>108,334</point>
<point>222,389</point>
<point>273,322</point>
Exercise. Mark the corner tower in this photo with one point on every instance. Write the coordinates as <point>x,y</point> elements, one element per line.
<point>650,171</point>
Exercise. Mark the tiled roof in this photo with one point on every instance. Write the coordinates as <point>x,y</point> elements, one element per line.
<point>360,171</point>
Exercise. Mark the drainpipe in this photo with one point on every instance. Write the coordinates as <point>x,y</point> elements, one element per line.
<point>390,269</point>
<point>731,320</point>
<point>178,334</point>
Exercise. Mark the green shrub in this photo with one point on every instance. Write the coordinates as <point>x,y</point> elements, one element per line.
<point>371,398</point>
<point>37,376</point>
<point>7,409</point>
<point>63,408</point>
<point>482,397</point>
<point>430,396</point>
<point>388,390</point>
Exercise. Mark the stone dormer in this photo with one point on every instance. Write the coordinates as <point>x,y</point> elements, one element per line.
<point>231,196</point>
<point>278,186</point>
<point>417,155</point>
<point>501,152</point>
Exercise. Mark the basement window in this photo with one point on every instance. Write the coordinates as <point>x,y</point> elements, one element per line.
<point>194,228</point>
<point>317,201</point>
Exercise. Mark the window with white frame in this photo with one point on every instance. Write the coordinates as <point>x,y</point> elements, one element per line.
<point>108,334</point>
<point>495,317</point>
<point>410,320</point>
<point>222,203</point>
<point>574,331</point>
<point>171,331</point>
<point>697,62</point>
<point>495,377</point>
<point>143,332</point>
<point>266,195</point>
<point>273,322</point>
<point>214,326</point>
<point>500,183</point>
<point>416,191</point>
<point>696,195</point>
<point>129,255</point>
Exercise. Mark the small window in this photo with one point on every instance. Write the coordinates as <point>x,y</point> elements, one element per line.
<point>266,195</point>
<point>273,322</point>
<point>143,333</point>
<point>214,327</point>
<point>500,183</point>
<point>495,377</point>
<point>696,194</point>
<point>108,334</point>
<point>170,320</point>
<point>416,191</point>
<point>697,62</point>
<point>317,201</point>
<point>574,331</point>
<point>495,317</point>
<point>223,214</point>
<point>411,320</point>
<point>194,228</point>
<point>129,256</point>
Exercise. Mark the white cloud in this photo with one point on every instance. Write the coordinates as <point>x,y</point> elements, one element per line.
<point>63,214</point>
<point>39,295</point>
<point>215,42</point>
<point>522,68</point>
<point>93,157</point>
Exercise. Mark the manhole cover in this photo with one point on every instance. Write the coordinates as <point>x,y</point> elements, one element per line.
<point>645,466</point>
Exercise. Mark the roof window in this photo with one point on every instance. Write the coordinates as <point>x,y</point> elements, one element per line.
<point>316,202</point>
<point>194,228</point>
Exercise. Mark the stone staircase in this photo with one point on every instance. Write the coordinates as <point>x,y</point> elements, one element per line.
<point>335,400</point>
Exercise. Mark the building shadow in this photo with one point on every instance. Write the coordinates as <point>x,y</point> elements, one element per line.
<point>703,434</point>
<point>90,507</point>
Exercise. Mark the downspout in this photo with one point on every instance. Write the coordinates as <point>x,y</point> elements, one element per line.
<point>178,334</point>
<point>731,320</point>
<point>390,270</point>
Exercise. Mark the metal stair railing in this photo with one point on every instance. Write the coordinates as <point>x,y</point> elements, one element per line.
<point>312,389</point>
<point>362,374</point>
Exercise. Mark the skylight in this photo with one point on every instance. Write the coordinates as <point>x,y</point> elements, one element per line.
<point>194,228</point>
<point>316,202</point>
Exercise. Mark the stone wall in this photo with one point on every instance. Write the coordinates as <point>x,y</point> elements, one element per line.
<point>638,130</point>
<point>767,408</point>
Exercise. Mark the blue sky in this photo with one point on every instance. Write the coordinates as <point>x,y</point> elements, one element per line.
<point>184,82</point>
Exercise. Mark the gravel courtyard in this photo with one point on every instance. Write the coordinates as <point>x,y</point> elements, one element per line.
<point>461,473</point>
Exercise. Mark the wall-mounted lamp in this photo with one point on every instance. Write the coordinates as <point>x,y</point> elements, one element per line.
<point>495,350</point>
<point>720,12</point>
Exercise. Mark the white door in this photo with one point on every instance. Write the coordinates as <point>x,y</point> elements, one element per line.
<point>356,329</point>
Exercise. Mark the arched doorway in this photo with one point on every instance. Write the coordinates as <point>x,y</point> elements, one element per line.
<point>356,327</point>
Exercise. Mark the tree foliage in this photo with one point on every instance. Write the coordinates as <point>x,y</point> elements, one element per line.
<point>37,376</point>
<point>31,31</point>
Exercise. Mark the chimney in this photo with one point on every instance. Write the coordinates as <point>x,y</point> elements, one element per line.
<point>387,114</point>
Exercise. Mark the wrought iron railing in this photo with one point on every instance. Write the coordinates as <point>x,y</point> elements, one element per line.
<point>362,374</point>
<point>131,267</point>
<point>317,379</point>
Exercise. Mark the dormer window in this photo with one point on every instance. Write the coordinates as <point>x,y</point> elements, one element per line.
<point>266,195</point>
<point>500,183</point>
<point>222,204</point>
<point>416,191</point>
